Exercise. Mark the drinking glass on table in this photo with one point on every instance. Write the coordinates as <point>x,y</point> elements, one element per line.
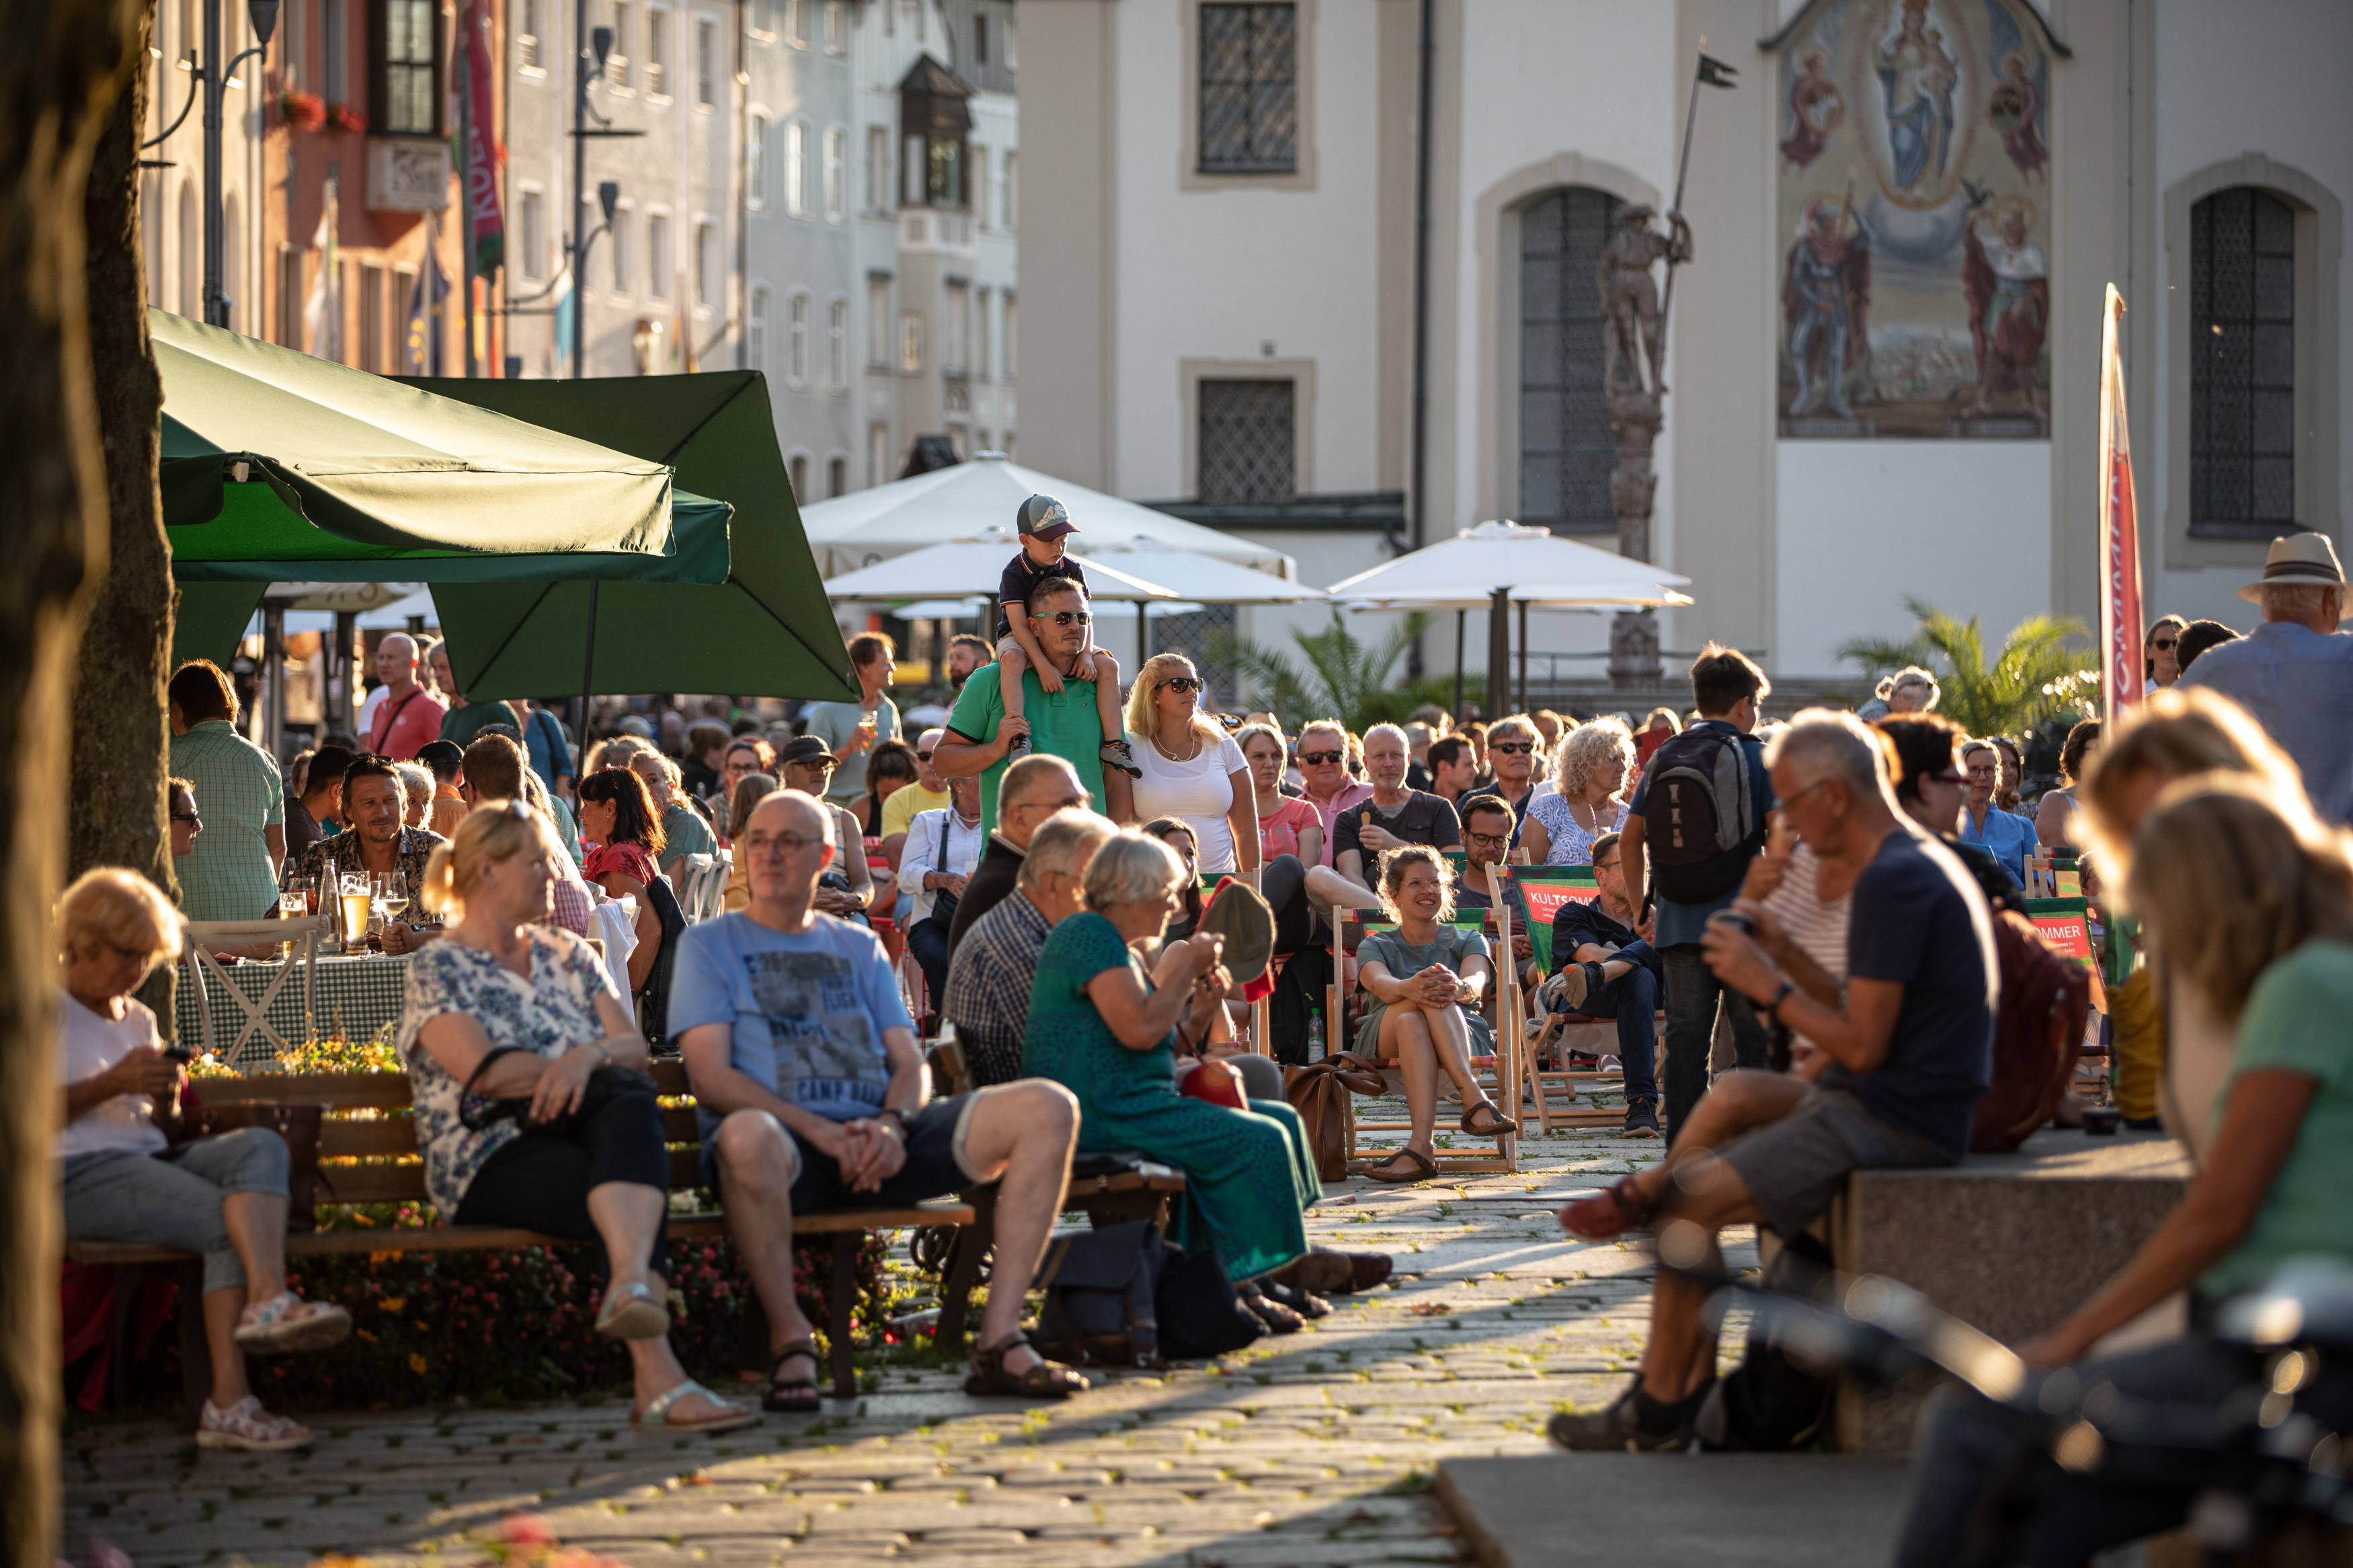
<point>293,904</point>
<point>355,899</point>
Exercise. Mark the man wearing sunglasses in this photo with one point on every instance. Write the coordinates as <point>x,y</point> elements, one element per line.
<point>1066,722</point>
<point>1512,747</point>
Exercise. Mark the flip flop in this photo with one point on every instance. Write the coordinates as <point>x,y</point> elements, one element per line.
<point>794,1395</point>
<point>655,1416</point>
<point>1425,1168</point>
<point>633,1312</point>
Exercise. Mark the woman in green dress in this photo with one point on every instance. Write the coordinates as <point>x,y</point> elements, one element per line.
<point>1425,978</point>
<point>1110,1033</point>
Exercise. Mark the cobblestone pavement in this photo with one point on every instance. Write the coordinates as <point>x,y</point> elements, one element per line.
<point>1312,1448</point>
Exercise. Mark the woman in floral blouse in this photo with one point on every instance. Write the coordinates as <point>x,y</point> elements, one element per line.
<point>510,1009</point>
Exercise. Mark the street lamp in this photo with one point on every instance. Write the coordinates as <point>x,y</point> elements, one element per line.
<point>587,67</point>
<point>211,77</point>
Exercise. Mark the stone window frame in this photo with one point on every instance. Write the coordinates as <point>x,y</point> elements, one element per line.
<point>1300,373</point>
<point>1189,174</point>
<point>2319,250</point>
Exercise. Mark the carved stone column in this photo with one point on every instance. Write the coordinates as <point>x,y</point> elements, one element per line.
<point>1635,417</point>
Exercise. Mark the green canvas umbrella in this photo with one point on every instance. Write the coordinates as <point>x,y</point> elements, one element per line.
<point>278,467</point>
<point>768,631</point>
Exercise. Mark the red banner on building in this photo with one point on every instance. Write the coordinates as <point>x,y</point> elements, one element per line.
<point>2123,675</point>
<point>481,152</point>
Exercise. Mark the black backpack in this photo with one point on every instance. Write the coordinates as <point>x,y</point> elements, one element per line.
<point>1700,828</point>
<point>1772,1403</point>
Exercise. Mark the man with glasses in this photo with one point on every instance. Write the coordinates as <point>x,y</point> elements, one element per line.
<point>928,793</point>
<point>1323,770</point>
<point>1033,789</point>
<point>812,1095</point>
<point>1512,746</point>
<point>1606,968</point>
<point>806,763</point>
<point>980,733</point>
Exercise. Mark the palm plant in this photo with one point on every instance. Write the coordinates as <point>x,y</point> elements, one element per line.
<point>1344,679</point>
<point>2033,675</point>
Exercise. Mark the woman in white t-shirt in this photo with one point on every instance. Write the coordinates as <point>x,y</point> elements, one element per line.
<point>120,1178</point>
<point>1189,768</point>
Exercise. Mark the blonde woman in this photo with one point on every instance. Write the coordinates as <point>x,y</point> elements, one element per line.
<point>1426,978</point>
<point>1188,767</point>
<point>121,1179</point>
<point>506,1008</point>
<point>2251,908</point>
<point>1588,799</point>
<point>750,789</point>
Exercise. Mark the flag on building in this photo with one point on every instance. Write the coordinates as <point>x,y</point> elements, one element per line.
<point>480,160</point>
<point>2122,673</point>
<point>564,306</point>
<point>322,315</point>
<point>423,354</point>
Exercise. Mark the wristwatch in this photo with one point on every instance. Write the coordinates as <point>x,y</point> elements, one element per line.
<point>1773,1008</point>
<point>896,1116</point>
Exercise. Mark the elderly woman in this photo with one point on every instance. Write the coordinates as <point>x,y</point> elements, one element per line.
<point>1425,978</point>
<point>416,793</point>
<point>1588,799</point>
<point>508,1015</point>
<point>1189,767</point>
<point>1111,1033</point>
<point>120,1178</point>
<point>617,815</point>
<point>1512,746</point>
<point>2007,838</point>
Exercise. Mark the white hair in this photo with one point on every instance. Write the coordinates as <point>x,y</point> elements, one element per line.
<point>2292,600</point>
<point>1821,744</point>
<point>1403,740</point>
<point>1131,867</point>
<point>1065,842</point>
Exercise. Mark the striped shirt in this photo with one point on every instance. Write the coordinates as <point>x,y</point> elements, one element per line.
<point>227,874</point>
<point>988,988</point>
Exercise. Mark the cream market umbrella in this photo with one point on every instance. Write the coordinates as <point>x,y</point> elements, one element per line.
<point>1207,579</point>
<point>962,568</point>
<point>870,526</point>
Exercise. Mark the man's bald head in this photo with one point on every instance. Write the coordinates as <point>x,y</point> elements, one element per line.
<point>927,775</point>
<point>788,811</point>
<point>1032,790</point>
<point>395,658</point>
<point>786,848</point>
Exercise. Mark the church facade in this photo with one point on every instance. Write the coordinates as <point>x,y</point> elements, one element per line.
<point>1329,271</point>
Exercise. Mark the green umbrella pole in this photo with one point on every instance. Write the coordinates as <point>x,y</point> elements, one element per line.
<point>588,669</point>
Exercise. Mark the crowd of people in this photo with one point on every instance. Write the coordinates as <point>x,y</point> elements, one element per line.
<point>1091,885</point>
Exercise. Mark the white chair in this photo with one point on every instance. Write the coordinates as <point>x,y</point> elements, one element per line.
<point>714,892</point>
<point>202,936</point>
<point>690,897</point>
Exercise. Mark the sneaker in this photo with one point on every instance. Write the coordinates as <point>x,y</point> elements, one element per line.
<point>1015,746</point>
<point>1636,1423</point>
<point>1642,1119</point>
<point>1117,754</point>
<point>246,1424</point>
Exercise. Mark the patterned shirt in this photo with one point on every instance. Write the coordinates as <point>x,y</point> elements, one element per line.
<point>227,874</point>
<point>550,1012</point>
<point>988,988</point>
<point>342,853</point>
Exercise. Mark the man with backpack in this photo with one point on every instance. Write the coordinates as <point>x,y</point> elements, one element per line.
<point>1696,820</point>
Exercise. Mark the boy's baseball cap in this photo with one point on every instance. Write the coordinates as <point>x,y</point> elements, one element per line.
<point>1043,517</point>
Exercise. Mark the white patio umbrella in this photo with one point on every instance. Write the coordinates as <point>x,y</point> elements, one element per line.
<point>1496,565</point>
<point>963,568</point>
<point>1204,578</point>
<point>870,526</point>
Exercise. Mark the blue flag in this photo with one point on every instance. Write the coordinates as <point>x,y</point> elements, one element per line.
<point>424,351</point>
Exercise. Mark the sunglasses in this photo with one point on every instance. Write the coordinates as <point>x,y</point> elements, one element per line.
<point>190,817</point>
<point>2163,644</point>
<point>1317,759</point>
<point>922,756</point>
<point>1510,748</point>
<point>1182,683</point>
<point>822,764</point>
<point>1066,617</point>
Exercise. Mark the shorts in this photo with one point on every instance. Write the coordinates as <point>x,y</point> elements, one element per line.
<point>1795,1166</point>
<point>936,1165</point>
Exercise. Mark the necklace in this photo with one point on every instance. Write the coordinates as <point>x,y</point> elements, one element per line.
<point>1161,746</point>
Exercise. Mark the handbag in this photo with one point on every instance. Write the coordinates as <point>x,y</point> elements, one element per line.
<point>1101,1288</point>
<point>1319,1093</point>
<point>298,1125</point>
<point>478,1112</point>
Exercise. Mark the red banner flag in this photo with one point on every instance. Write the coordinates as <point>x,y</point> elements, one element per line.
<point>481,157</point>
<point>2123,675</point>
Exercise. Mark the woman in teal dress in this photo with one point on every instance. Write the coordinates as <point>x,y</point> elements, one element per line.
<point>1110,1033</point>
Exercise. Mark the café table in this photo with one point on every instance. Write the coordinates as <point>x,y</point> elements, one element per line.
<point>358,996</point>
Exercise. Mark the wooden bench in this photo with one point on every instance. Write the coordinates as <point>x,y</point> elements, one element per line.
<point>386,1138</point>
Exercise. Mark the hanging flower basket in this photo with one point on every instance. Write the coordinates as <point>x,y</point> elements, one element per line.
<point>346,119</point>
<point>302,110</point>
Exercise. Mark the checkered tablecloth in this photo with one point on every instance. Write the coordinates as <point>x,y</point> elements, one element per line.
<point>356,998</point>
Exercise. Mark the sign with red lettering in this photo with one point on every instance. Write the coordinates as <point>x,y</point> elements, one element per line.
<point>2065,924</point>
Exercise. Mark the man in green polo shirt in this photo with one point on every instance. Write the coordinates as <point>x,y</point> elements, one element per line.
<point>1062,725</point>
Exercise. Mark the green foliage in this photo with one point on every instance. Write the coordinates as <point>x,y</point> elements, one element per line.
<point>2034,674</point>
<point>1344,677</point>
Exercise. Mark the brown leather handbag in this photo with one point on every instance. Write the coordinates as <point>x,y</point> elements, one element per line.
<point>1319,1092</point>
<point>298,1124</point>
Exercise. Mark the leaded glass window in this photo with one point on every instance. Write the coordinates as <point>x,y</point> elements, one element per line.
<point>1249,90</point>
<point>2242,358</point>
<point>1565,450</point>
<point>1249,441</point>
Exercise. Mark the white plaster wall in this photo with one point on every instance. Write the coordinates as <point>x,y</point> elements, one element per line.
<point>1963,524</point>
<point>2255,76</point>
<point>1217,274</point>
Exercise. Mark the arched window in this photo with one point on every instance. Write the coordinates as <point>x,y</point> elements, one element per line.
<point>797,339</point>
<point>2243,358</point>
<point>756,332</point>
<point>1565,450</point>
<point>755,163</point>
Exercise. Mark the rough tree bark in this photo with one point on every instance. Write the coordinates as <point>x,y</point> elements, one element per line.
<point>117,809</point>
<point>65,64</point>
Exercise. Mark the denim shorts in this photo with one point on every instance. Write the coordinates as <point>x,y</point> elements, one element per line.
<point>1795,1167</point>
<point>934,1166</point>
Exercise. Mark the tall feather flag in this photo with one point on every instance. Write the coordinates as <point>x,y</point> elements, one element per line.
<point>2123,675</point>
<point>481,160</point>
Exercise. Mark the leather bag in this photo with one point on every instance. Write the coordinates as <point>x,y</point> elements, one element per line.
<point>1319,1093</point>
<point>297,1124</point>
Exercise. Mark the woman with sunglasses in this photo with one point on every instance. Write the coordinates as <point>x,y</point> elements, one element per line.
<point>1512,752</point>
<point>2162,651</point>
<point>1188,767</point>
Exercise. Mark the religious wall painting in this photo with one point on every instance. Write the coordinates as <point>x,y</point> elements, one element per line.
<point>1914,144</point>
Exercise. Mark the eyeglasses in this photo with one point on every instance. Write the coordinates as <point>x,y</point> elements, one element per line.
<point>1318,759</point>
<point>1609,865</point>
<point>1490,839</point>
<point>1510,748</point>
<point>778,843</point>
<point>1788,800</point>
<point>1066,617</point>
<point>1181,683</point>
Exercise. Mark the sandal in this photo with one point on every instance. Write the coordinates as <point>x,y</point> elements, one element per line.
<point>1424,1168</point>
<point>1044,1381</point>
<point>1495,1129</point>
<point>247,1425</point>
<point>633,1313</point>
<point>793,1396</point>
<point>286,1323</point>
<point>1609,1213</point>
<point>655,1416</point>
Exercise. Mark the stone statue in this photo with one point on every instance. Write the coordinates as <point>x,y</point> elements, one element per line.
<point>1634,328</point>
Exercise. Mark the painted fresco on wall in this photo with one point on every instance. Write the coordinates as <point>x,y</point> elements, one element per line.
<point>1914,203</point>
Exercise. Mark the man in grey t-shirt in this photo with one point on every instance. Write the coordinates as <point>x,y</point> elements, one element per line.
<point>1394,815</point>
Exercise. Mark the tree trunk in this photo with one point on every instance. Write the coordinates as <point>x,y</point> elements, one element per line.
<point>66,63</point>
<point>117,805</point>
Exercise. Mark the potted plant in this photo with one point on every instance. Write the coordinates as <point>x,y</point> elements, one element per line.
<point>302,110</point>
<point>347,119</point>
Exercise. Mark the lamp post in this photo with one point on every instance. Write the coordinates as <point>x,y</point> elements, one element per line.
<point>600,45</point>
<point>263,13</point>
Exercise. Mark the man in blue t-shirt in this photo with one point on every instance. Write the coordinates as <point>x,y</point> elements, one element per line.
<point>1900,1062</point>
<point>812,1096</point>
<point>1727,689</point>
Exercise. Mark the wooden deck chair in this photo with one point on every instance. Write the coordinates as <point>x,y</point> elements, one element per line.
<point>202,936</point>
<point>1538,894</point>
<point>715,891</point>
<point>1501,1071</point>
